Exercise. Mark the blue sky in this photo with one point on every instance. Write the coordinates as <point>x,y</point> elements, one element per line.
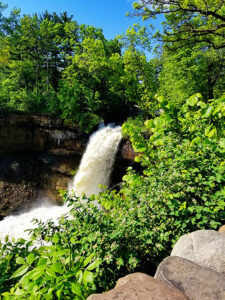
<point>110,15</point>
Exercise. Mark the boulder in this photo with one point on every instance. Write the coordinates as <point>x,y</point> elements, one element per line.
<point>204,247</point>
<point>222,229</point>
<point>138,286</point>
<point>196,282</point>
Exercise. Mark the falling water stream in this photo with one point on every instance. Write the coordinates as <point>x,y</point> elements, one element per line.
<point>95,168</point>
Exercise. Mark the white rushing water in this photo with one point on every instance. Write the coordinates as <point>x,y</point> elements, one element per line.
<point>97,162</point>
<point>95,168</point>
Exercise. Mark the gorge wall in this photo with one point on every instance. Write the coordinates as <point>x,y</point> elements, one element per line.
<point>40,154</point>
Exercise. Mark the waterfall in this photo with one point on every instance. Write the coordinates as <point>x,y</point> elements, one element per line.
<point>97,162</point>
<point>95,168</point>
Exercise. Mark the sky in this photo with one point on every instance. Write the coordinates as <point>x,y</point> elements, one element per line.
<point>110,15</point>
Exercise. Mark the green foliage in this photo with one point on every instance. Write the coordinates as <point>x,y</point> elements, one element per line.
<point>100,232</point>
<point>181,188</point>
<point>46,271</point>
<point>190,70</point>
<point>188,22</point>
<point>78,104</point>
<point>50,64</point>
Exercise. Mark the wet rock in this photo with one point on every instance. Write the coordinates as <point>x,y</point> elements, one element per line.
<point>20,133</point>
<point>140,286</point>
<point>204,247</point>
<point>196,282</point>
<point>126,150</point>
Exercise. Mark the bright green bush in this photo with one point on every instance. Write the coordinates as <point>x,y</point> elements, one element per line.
<point>181,188</point>
<point>184,166</point>
<point>32,270</point>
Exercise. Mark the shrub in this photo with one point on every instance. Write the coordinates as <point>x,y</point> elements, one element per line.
<point>32,270</point>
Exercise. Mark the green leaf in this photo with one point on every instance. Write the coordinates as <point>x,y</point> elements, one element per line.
<point>93,265</point>
<point>57,267</point>
<point>218,108</point>
<point>149,124</point>
<point>212,132</point>
<point>20,261</point>
<point>42,261</point>
<point>19,272</point>
<point>192,100</point>
<point>30,258</point>
<point>36,274</point>
<point>51,273</point>
<point>195,141</point>
<point>88,259</point>
<point>222,143</point>
<point>207,130</point>
<point>55,239</point>
<point>76,289</point>
<point>120,261</point>
<point>159,122</point>
<point>79,275</point>
<point>88,277</point>
<point>61,252</point>
<point>208,112</point>
<point>59,292</point>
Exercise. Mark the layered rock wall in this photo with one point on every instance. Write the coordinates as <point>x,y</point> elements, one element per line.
<point>39,152</point>
<point>20,133</point>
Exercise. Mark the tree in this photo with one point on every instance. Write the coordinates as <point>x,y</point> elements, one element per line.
<point>137,47</point>
<point>190,70</point>
<point>96,82</point>
<point>10,23</point>
<point>188,22</point>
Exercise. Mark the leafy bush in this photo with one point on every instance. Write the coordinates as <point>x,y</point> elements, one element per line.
<point>184,167</point>
<point>49,270</point>
<point>181,188</point>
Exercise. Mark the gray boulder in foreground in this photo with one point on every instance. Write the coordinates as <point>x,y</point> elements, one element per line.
<point>196,282</point>
<point>204,247</point>
<point>139,286</point>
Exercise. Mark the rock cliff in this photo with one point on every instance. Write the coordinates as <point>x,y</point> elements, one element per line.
<point>42,153</point>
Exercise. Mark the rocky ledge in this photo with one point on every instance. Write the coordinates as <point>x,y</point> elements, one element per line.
<point>40,152</point>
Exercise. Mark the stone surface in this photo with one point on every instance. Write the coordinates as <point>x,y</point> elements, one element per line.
<point>42,133</point>
<point>22,132</point>
<point>18,183</point>
<point>204,247</point>
<point>140,286</point>
<point>196,282</point>
<point>127,151</point>
<point>222,229</point>
<point>16,196</point>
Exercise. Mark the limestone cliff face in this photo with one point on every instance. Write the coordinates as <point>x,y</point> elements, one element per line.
<point>42,153</point>
<point>36,153</point>
<point>20,133</point>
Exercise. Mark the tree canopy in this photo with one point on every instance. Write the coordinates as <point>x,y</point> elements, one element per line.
<point>188,21</point>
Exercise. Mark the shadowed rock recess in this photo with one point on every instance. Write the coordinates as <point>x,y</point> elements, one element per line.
<point>42,153</point>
